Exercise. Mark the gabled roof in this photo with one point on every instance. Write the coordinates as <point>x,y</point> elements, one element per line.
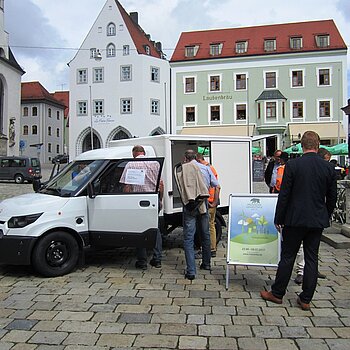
<point>63,96</point>
<point>138,36</point>
<point>255,36</point>
<point>271,95</point>
<point>34,91</point>
<point>12,62</point>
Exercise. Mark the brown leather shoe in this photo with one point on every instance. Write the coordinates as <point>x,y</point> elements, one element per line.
<point>270,297</point>
<point>303,306</point>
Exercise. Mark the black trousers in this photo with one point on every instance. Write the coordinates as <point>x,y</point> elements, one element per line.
<point>291,240</point>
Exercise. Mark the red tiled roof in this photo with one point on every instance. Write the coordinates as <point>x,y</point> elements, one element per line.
<point>63,96</point>
<point>35,91</point>
<point>138,35</point>
<point>255,37</point>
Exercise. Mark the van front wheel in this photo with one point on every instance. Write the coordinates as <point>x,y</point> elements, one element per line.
<point>19,179</point>
<point>55,254</point>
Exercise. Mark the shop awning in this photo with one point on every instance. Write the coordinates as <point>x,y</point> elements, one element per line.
<point>326,130</point>
<point>221,130</point>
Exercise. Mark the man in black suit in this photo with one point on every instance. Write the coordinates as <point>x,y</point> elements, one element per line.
<point>304,206</point>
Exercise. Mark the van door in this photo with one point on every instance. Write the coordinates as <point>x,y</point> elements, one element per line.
<point>123,204</point>
<point>5,169</point>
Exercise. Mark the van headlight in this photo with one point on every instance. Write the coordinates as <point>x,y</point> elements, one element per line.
<point>22,221</point>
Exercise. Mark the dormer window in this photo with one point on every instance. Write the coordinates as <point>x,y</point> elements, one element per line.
<point>322,40</point>
<point>270,45</point>
<point>241,46</point>
<point>148,50</point>
<point>296,43</point>
<point>111,29</point>
<point>215,49</point>
<point>191,51</point>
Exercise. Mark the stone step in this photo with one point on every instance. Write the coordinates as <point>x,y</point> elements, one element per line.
<point>336,240</point>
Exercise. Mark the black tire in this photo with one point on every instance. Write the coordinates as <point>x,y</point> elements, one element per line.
<point>56,254</point>
<point>19,179</point>
<point>218,229</point>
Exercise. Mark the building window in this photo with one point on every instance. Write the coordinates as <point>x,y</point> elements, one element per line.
<point>190,84</point>
<point>155,107</point>
<point>82,76</point>
<point>241,112</point>
<point>214,113</point>
<point>298,109</point>
<point>34,111</point>
<point>25,129</point>
<point>82,107</point>
<point>190,114</point>
<point>126,50</point>
<point>296,43</point>
<point>270,45</point>
<point>49,147</point>
<point>155,74</point>
<point>270,80</point>
<point>126,106</point>
<point>271,110</point>
<point>25,112</point>
<point>241,46</point>
<point>324,77</point>
<point>111,29</point>
<point>241,82</point>
<point>125,73</point>
<point>34,130</point>
<point>93,52</point>
<point>147,49</point>
<point>98,75</point>
<point>191,51</point>
<point>58,132</point>
<point>49,130</point>
<point>98,107</point>
<point>111,50</point>
<point>215,49</point>
<point>322,40</point>
<point>324,109</point>
<point>57,149</point>
<point>49,112</point>
<point>58,115</point>
<point>214,81</point>
<point>297,78</point>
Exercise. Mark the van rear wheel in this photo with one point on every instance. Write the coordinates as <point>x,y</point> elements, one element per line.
<point>19,179</point>
<point>55,254</point>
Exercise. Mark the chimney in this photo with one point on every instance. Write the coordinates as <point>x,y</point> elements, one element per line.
<point>159,46</point>
<point>135,17</point>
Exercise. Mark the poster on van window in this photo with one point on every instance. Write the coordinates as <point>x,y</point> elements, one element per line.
<point>252,236</point>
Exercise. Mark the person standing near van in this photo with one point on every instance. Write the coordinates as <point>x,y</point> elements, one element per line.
<point>151,177</point>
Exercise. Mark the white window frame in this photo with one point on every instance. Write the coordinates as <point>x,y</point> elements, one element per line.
<point>215,122</point>
<point>155,106</point>
<point>330,100</point>
<point>98,107</point>
<point>191,50</point>
<point>292,118</point>
<point>318,37</point>
<point>126,50</point>
<point>155,74</point>
<point>267,121</point>
<point>129,99</point>
<point>318,76</point>
<point>129,78</point>
<point>215,49</point>
<point>79,107</point>
<point>111,29</point>
<point>241,46</point>
<point>291,41</point>
<point>194,77</point>
<point>267,47</point>
<point>238,121</point>
<point>80,76</point>
<point>209,84</point>
<point>235,81</point>
<point>291,77</point>
<point>195,114</point>
<point>98,77</point>
<point>270,71</point>
<point>93,52</point>
<point>110,50</point>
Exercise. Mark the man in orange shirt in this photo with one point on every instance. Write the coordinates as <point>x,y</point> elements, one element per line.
<point>213,202</point>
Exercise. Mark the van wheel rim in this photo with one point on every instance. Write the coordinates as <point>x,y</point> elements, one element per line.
<point>56,254</point>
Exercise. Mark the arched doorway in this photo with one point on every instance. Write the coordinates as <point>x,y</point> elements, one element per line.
<point>86,144</point>
<point>157,131</point>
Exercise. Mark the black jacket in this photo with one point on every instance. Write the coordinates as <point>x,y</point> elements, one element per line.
<point>308,193</point>
<point>268,172</point>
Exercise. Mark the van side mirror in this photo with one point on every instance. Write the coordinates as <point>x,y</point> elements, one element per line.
<point>94,188</point>
<point>37,184</point>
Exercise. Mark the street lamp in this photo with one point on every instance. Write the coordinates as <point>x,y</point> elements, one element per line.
<point>98,58</point>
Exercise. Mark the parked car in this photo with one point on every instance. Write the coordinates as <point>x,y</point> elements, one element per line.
<point>20,169</point>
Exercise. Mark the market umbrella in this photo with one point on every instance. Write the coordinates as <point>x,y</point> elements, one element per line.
<point>339,149</point>
<point>297,149</point>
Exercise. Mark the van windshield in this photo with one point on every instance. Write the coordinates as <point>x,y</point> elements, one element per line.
<point>72,178</point>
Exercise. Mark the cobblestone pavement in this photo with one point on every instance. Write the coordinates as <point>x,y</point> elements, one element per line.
<point>108,304</point>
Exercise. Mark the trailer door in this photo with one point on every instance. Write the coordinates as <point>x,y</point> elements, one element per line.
<point>233,162</point>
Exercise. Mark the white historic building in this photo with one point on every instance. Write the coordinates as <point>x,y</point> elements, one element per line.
<point>10,94</point>
<point>119,83</point>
